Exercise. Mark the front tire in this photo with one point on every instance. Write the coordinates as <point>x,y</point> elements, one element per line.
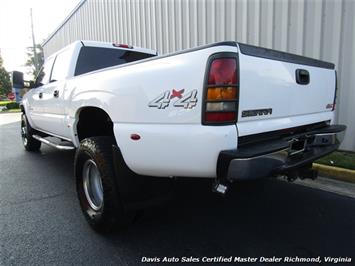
<point>30,143</point>
<point>96,187</point>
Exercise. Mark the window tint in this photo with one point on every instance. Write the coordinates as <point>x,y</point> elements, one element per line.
<point>61,65</point>
<point>44,74</point>
<point>94,58</point>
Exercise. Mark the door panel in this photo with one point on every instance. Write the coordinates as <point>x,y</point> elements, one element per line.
<point>38,96</point>
<point>54,104</point>
<point>35,107</point>
<point>54,108</point>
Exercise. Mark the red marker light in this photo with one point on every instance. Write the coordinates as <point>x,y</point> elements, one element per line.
<point>122,45</point>
<point>135,137</point>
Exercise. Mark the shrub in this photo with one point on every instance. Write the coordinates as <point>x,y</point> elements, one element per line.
<point>12,105</point>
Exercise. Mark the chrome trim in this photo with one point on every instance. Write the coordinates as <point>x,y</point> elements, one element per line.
<point>255,167</point>
<point>92,184</point>
<point>324,139</point>
<point>45,141</point>
<point>52,134</point>
<point>264,165</point>
<point>24,132</point>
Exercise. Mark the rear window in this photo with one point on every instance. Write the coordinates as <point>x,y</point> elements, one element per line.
<point>94,58</point>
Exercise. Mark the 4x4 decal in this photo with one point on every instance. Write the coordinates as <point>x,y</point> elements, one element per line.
<point>187,100</point>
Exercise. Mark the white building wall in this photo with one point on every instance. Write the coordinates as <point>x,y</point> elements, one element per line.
<point>322,29</point>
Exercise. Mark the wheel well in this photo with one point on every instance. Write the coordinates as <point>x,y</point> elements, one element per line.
<point>93,122</point>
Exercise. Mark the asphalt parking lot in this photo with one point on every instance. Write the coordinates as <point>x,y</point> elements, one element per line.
<point>41,222</point>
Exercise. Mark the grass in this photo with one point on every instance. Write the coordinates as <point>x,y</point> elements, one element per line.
<point>341,159</point>
<point>9,107</point>
<point>4,103</point>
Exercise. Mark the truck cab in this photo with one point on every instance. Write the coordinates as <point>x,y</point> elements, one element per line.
<point>48,99</point>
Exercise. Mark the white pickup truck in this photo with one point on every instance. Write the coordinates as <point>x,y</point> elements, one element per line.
<point>226,111</point>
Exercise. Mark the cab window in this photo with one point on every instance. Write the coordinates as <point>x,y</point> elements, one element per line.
<point>61,65</point>
<point>45,73</point>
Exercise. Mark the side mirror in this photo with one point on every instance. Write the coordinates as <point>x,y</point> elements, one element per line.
<point>32,84</point>
<point>17,80</point>
<point>29,84</point>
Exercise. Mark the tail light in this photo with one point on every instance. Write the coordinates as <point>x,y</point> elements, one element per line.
<point>120,45</point>
<point>221,88</point>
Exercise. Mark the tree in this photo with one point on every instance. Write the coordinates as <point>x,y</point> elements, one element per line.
<point>31,59</point>
<point>5,82</point>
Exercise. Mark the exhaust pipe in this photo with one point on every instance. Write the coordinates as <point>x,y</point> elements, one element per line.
<point>220,187</point>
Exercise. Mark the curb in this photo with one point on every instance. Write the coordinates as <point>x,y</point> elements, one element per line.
<point>6,112</point>
<point>335,172</point>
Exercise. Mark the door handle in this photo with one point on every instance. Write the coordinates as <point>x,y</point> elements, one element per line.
<point>40,95</point>
<point>56,93</point>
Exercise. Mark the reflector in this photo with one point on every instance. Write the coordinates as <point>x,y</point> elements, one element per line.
<point>224,93</point>
<point>220,116</point>
<point>221,106</point>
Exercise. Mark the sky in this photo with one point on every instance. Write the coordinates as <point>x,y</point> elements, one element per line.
<point>15,26</point>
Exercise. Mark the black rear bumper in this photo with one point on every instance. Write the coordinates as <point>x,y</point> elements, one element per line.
<point>278,156</point>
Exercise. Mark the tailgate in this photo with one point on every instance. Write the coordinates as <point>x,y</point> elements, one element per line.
<point>277,85</point>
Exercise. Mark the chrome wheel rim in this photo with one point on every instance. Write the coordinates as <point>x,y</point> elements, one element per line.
<point>93,185</point>
<point>24,132</point>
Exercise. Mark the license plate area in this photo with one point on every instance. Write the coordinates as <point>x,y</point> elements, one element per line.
<point>297,146</point>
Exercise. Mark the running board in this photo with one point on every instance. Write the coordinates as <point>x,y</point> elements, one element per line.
<point>52,144</point>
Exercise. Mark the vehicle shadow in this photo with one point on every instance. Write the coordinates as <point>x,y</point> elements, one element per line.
<point>257,218</point>
<point>264,218</point>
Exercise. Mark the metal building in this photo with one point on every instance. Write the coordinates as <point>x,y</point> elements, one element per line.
<point>322,29</point>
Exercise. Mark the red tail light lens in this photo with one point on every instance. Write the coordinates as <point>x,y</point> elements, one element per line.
<point>221,90</point>
<point>223,72</point>
<point>220,116</point>
<point>120,45</point>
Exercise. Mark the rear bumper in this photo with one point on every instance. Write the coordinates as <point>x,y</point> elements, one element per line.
<point>279,156</point>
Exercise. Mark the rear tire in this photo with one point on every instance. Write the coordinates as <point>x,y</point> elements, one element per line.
<point>30,143</point>
<point>96,187</point>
